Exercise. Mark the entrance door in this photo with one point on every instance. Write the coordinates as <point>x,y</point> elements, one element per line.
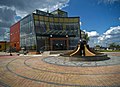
<point>59,43</point>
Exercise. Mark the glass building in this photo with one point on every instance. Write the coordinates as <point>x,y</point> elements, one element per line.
<point>49,31</point>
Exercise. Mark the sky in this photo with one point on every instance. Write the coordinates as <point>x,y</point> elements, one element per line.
<point>99,18</point>
<point>95,14</point>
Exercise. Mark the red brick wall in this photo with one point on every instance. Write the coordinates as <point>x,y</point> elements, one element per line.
<point>15,36</point>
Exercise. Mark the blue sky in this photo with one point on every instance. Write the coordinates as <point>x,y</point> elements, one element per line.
<point>95,15</point>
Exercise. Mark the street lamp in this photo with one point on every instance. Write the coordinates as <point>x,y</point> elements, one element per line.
<point>10,51</point>
<point>66,35</point>
<point>5,46</point>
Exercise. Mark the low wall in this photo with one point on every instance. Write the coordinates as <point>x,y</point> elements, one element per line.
<point>89,58</point>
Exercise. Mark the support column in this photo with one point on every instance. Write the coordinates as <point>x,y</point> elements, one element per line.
<point>51,44</point>
<point>67,41</point>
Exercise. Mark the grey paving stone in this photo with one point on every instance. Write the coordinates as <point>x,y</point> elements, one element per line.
<point>65,61</point>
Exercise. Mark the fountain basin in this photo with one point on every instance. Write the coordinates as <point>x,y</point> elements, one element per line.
<point>100,57</point>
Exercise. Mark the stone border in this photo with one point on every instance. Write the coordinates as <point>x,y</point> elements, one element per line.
<point>90,58</point>
<point>63,72</point>
<point>62,62</point>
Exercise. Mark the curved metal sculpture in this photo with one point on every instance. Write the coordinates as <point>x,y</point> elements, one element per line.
<point>82,52</point>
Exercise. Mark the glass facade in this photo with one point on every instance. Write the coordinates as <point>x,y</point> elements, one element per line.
<point>27,33</point>
<point>57,27</point>
<point>37,29</point>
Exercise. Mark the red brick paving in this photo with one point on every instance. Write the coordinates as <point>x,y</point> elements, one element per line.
<point>32,72</point>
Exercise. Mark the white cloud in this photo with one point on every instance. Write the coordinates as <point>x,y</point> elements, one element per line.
<point>23,7</point>
<point>113,30</point>
<point>92,34</point>
<point>103,37</point>
<point>6,16</point>
<point>119,18</point>
<point>80,23</point>
<point>110,33</point>
<point>0,20</point>
<point>110,36</point>
<point>93,38</point>
<point>10,9</point>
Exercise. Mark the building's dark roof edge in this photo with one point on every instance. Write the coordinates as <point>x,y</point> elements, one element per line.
<point>57,17</point>
<point>58,10</point>
<point>40,10</point>
<point>43,15</point>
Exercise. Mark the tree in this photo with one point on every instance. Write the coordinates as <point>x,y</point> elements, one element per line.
<point>112,46</point>
<point>97,47</point>
<point>86,37</point>
<point>117,47</point>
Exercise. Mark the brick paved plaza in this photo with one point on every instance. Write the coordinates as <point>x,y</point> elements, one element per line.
<point>38,71</point>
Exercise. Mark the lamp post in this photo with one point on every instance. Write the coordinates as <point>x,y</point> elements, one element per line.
<point>10,51</point>
<point>106,45</point>
<point>5,46</point>
<point>80,34</point>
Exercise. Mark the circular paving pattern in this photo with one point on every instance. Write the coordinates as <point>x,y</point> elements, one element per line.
<point>36,72</point>
<point>64,61</point>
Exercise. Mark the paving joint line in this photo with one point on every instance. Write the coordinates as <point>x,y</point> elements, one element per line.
<point>65,73</point>
<point>76,85</point>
